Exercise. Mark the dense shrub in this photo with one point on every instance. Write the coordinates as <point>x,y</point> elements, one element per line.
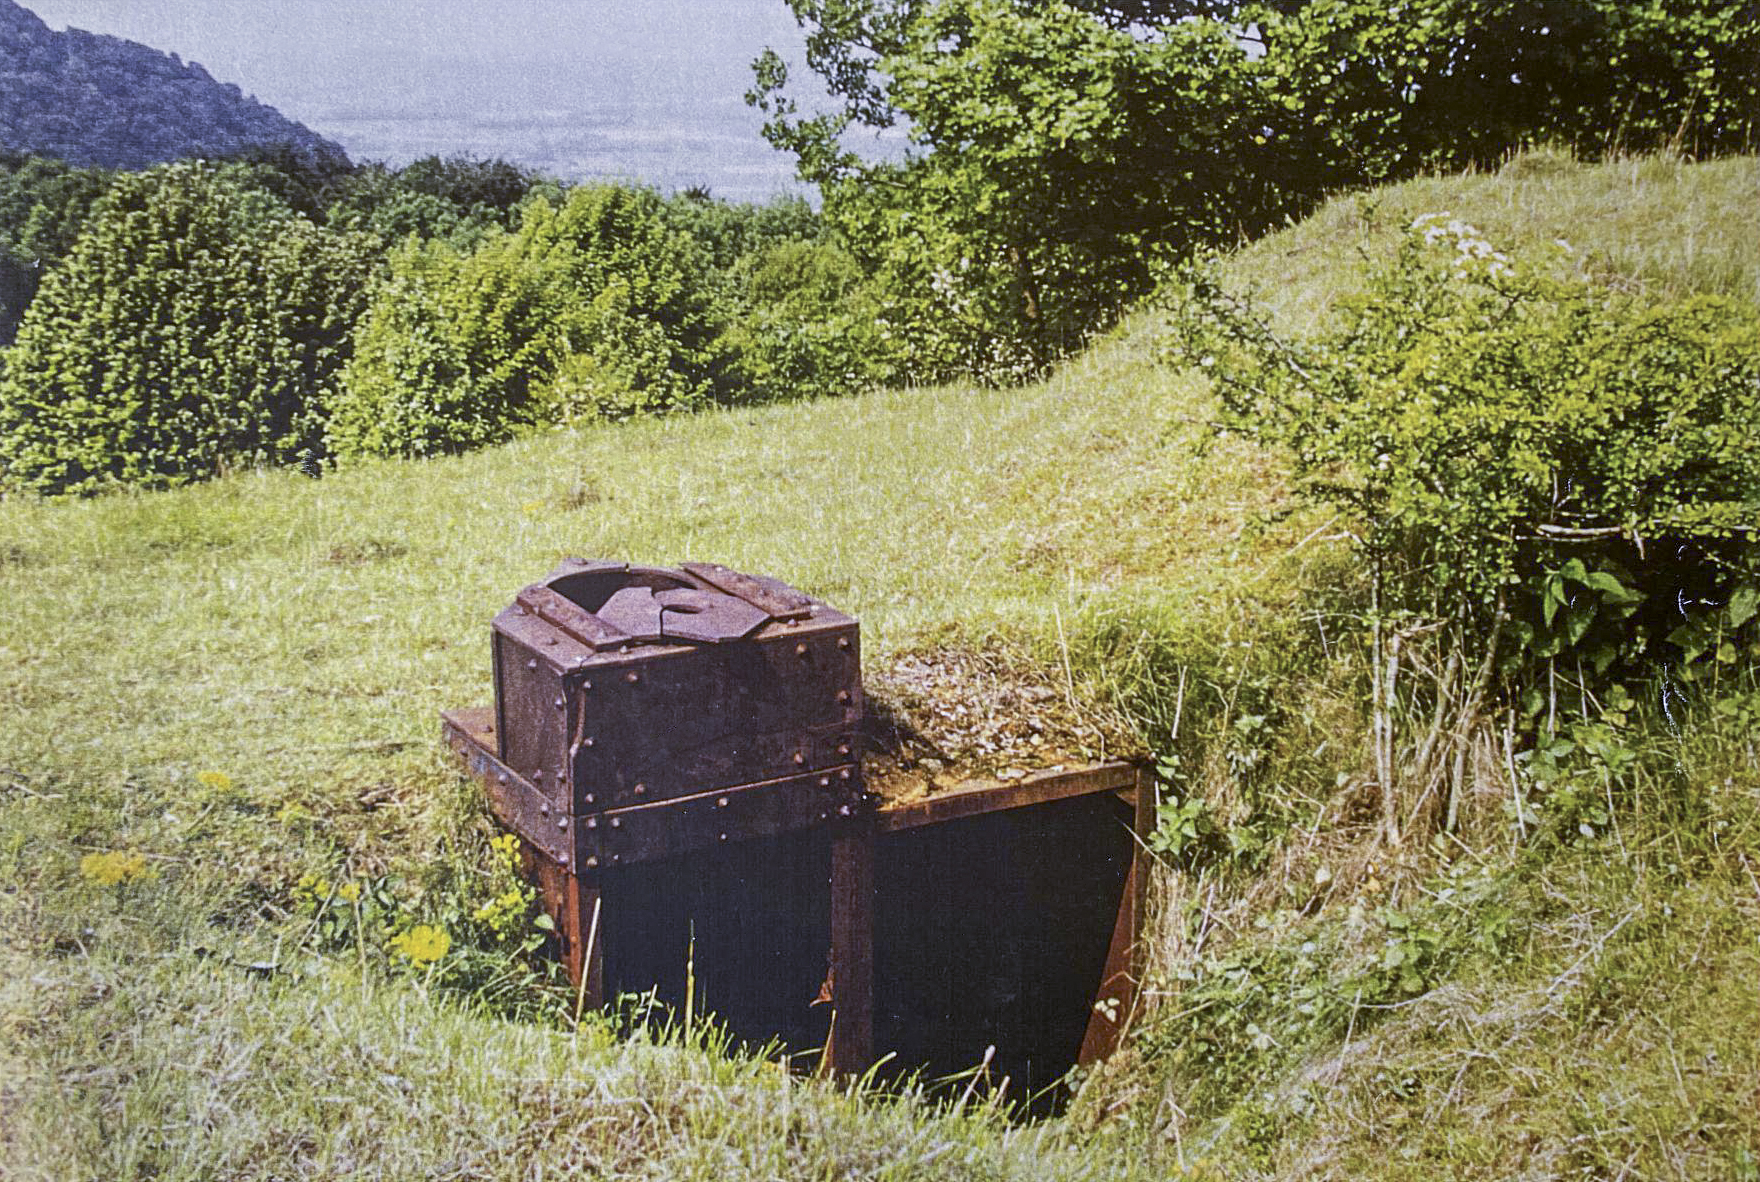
<point>728,231</point>
<point>589,310</point>
<point>196,325</point>
<point>458,199</point>
<point>1489,423</point>
<point>43,207</point>
<point>808,324</point>
<point>1554,489</point>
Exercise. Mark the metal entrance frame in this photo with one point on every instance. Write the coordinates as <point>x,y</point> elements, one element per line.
<point>996,914</point>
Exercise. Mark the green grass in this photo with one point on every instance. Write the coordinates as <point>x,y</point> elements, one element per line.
<point>300,636</point>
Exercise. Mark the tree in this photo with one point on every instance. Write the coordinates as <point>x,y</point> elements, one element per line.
<point>196,325</point>
<point>1055,143</point>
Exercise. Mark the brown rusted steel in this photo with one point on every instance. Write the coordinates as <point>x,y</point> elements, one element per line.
<point>851,977</point>
<point>678,750</point>
<point>684,614</point>
<point>677,826</point>
<point>514,801</point>
<point>775,599</point>
<point>1115,1003</point>
<point>855,901</point>
<point>990,796</point>
<point>570,900</point>
<point>573,620</point>
<point>618,687</point>
<point>547,853</point>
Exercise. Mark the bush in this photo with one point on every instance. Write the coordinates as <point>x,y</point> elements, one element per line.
<point>591,310</point>
<point>1551,485</point>
<point>43,207</point>
<point>809,323</point>
<point>197,325</point>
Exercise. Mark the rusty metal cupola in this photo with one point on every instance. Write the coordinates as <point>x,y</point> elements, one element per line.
<point>654,711</point>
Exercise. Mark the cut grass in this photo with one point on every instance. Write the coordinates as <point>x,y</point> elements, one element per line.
<point>299,637</point>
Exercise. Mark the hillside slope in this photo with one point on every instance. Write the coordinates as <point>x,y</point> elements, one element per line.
<point>239,683</point>
<point>92,99</point>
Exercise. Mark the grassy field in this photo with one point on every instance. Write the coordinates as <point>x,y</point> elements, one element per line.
<point>240,682</point>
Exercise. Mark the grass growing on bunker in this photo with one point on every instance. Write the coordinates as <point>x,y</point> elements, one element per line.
<point>213,693</point>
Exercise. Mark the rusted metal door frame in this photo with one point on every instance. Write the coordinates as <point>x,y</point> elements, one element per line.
<point>571,892</point>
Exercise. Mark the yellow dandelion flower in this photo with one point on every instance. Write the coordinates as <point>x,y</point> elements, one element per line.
<point>422,944</point>
<point>112,867</point>
<point>218,781</point>
<point>348,892</point>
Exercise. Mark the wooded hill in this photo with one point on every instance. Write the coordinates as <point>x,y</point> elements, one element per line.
<point>97,100</point>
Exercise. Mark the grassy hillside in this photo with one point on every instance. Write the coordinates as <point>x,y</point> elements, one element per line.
<point>240,681</point>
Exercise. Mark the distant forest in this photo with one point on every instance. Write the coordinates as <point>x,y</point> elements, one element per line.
<point>91,99</point>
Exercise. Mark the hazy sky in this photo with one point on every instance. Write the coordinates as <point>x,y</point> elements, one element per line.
<point>651,88</point>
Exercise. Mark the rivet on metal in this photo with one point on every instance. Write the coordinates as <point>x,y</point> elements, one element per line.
<point>587,742</point>
<point>501,778</point>
<point>632,677</point>
<point>543,810</point>
<point>532,664</point>
<point>562,823</point>
<point>562,858</point>
<point>588,798</point>
<point>843,748</point>
<point>800,650</point>
<point>592,862</point>
<point>641,789</point>
<point>843,810</point>
<point>617,857</point>
<point>842,696</point>
<point>843,642</point>
<point>844,774</point>
<point>824,781</point>
<point>617,822</point>
<point>560,703</point>
<point>721,803</point>
<point>592,822</point>
<point>799,758</point>
<point>537,775</point>
<point>724,837</point>
<point>586,685</point>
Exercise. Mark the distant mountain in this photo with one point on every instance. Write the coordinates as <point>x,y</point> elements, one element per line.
<point>92,99</point>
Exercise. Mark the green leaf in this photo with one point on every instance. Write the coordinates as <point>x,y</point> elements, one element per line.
<point>1578,619</point>
<point>1551,599</point>
<point>1743,603</point>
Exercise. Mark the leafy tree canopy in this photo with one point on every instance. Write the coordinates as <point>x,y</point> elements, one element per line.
<point>1055,143</point>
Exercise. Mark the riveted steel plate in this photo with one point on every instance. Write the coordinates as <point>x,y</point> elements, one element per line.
<point>621,837</point>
